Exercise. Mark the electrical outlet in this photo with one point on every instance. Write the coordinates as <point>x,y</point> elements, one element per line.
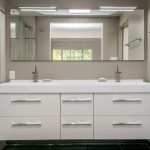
<point>12,75</point>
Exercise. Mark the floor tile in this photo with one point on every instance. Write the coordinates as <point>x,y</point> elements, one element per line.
<point>32,147</point>
<point>33,142</point>
<point>68,147</point>
<point>135,147</point>
<point>103,147</point>
<point>11,142</point>
<point>9,147</point>
<point>78,145</point>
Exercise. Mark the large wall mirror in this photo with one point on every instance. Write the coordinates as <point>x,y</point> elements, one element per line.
<point>62,35</point>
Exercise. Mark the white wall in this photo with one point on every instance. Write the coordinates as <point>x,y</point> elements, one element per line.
<point>43,38</point>
<point>136,30</point>
<point>2,47</point>
<point>148,42</point>
<point>2,42</point>
<point>110,33</point>
<point>2,5</point>
<point>75,3</point>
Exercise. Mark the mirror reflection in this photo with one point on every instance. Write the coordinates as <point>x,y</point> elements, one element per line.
<point>76,41</point>
<point>60,36</point>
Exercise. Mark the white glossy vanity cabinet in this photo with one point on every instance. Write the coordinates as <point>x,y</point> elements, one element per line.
<point>29,116</point>
<point>74,110</point>
<point>122,116</point>
<point>77,116</point>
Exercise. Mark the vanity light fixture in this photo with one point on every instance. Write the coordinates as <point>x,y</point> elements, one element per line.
<point>116,9</point>
<point>38,9</point>
<point>80,11</point>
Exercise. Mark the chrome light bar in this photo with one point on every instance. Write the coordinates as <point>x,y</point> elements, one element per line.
<point>116,9</point>
<point>38,9</point>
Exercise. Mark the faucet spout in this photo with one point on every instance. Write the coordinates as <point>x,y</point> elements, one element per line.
<point>35,75</point>
<point>118,75</point>
<point>35,69</point>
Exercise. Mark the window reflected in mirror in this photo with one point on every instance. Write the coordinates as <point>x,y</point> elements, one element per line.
<point>61,54</point>
<point>76,41</point>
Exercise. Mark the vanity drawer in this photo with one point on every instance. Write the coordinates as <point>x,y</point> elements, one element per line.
<point>29,128</point>
<point>121,104</point>
<point>77,104</point>
<point>29,104</point>
<point>77,127</point>
<point>121,127</point>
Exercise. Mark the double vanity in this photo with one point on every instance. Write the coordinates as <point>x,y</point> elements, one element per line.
<point>74,109</point>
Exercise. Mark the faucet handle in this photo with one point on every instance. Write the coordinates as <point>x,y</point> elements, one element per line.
<point>119,72</point>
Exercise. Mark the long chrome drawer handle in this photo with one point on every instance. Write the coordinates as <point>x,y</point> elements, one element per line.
<point>38,100</point>
<point>127,100</point>
<point>25,124</point>
<point>77,100</point>
<point>139,123</point>
<point>77,123</point>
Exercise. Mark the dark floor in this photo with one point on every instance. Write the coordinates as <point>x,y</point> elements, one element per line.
<point>101,145</point>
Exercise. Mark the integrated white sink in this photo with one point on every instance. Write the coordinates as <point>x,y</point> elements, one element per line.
<point>74,86</point>
<point>24,82</point>
<point>125,82</point>
<point>74,82</point>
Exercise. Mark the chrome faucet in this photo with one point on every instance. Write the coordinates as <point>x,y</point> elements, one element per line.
<point>118,75</point>
<point>35,75</point>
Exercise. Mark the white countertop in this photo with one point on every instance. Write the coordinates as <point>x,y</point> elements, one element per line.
<point>75,86</point>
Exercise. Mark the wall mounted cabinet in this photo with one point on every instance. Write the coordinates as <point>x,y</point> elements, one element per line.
<point>74,116</point>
